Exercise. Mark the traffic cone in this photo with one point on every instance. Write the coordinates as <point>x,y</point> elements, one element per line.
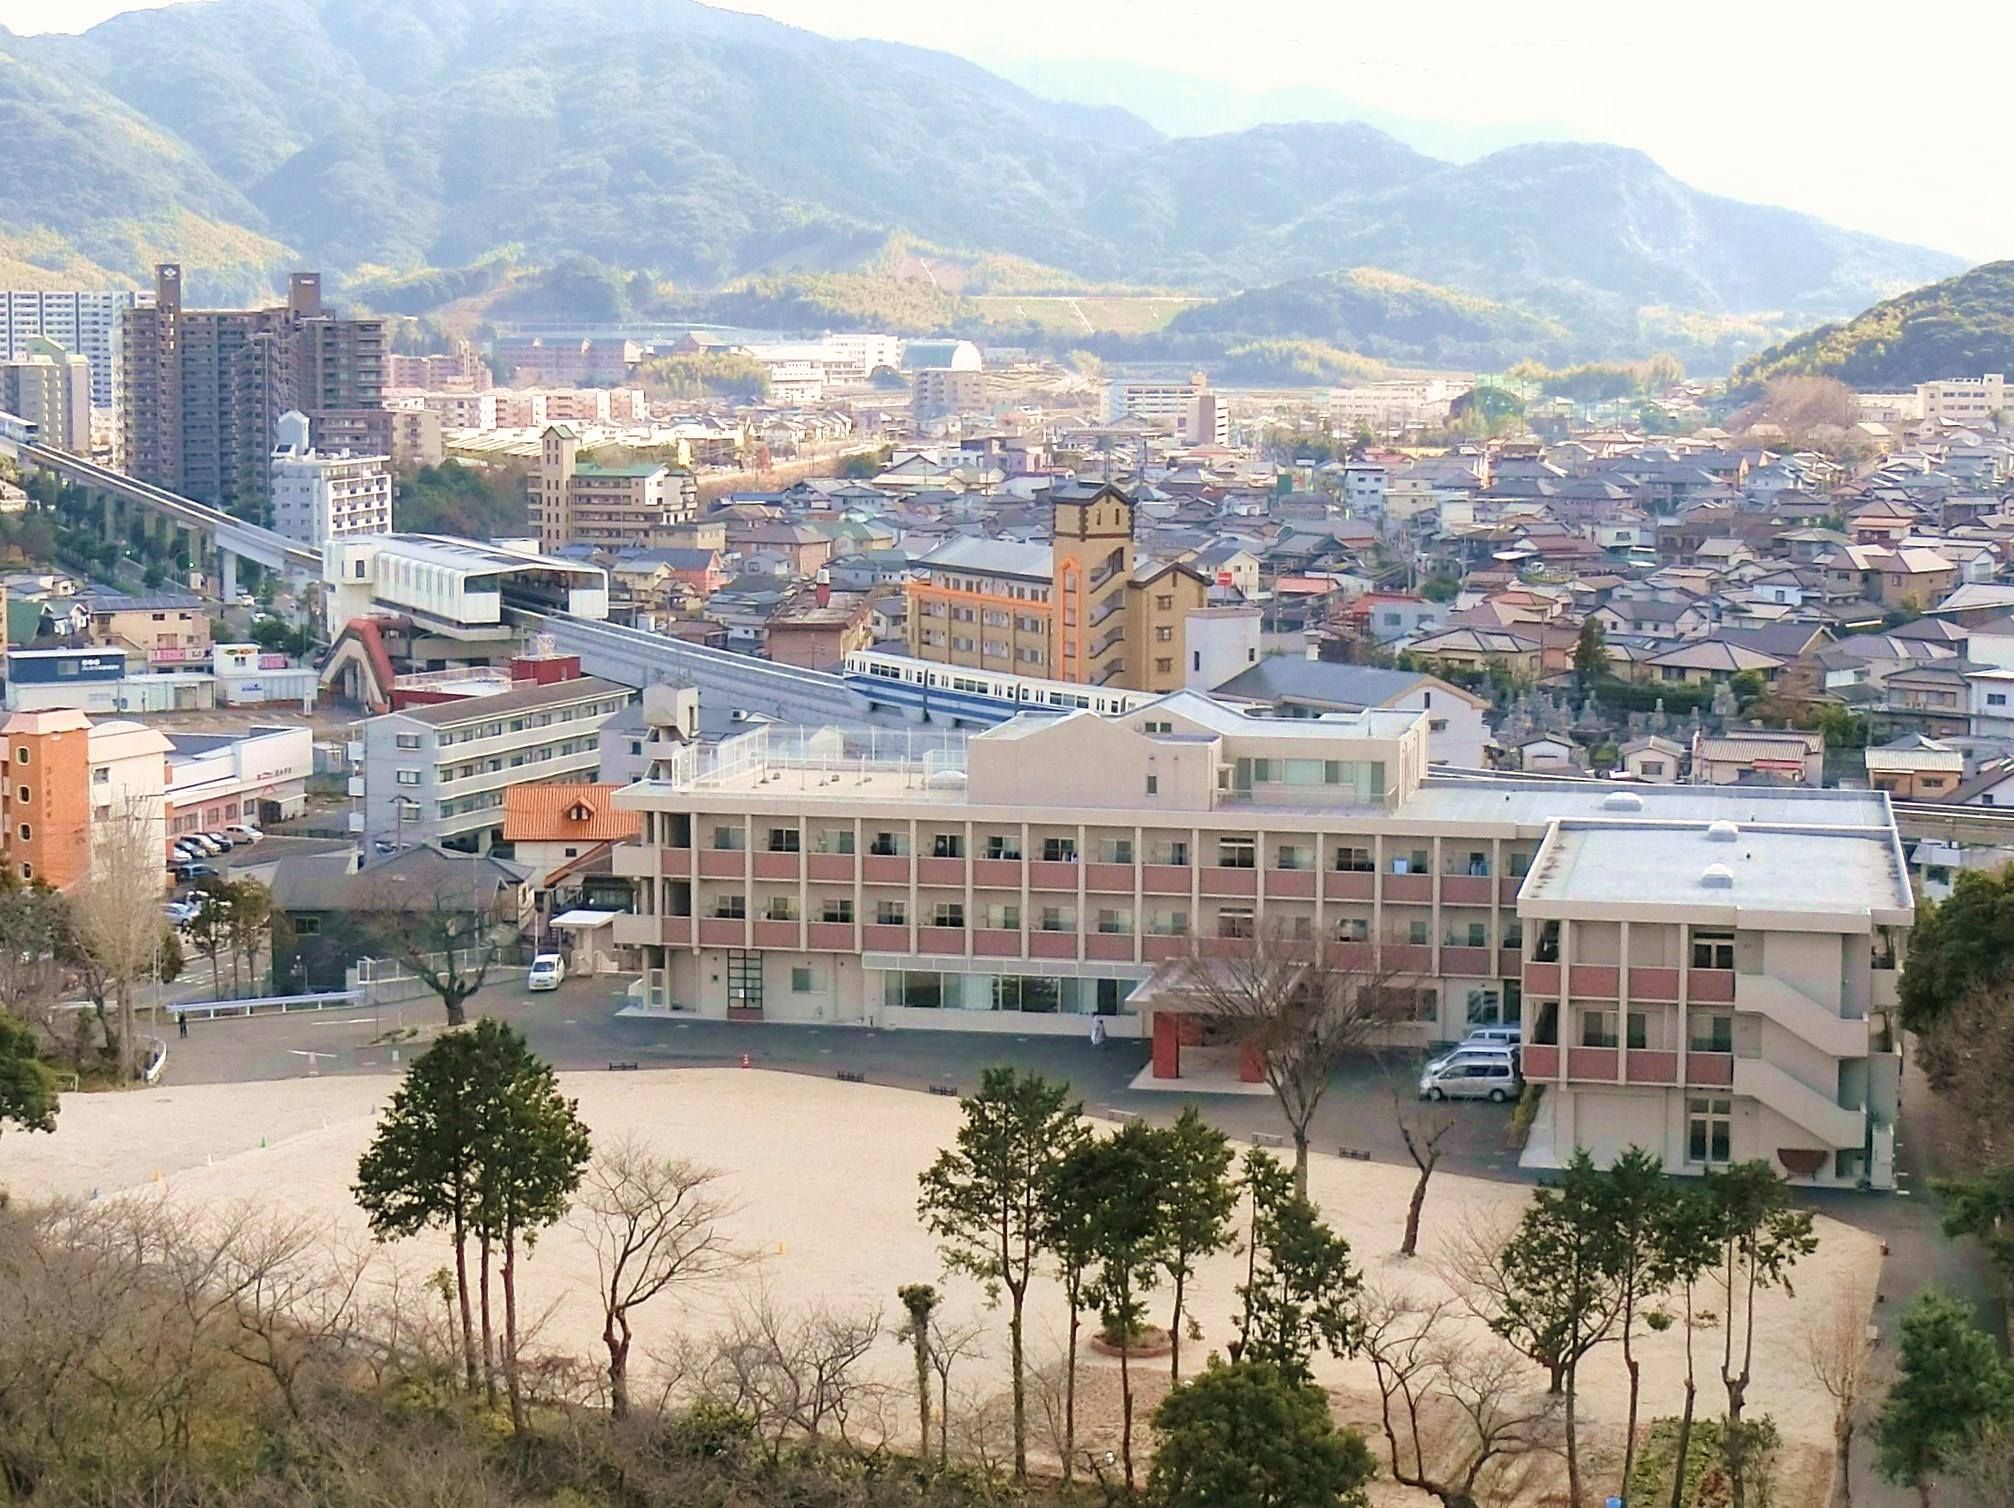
<point>744,1060</point>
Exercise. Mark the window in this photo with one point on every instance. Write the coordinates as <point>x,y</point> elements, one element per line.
<point>729,839</point>
<point>1167,666</point>
<point>1157,725</point>
<point>1164,634</point>
<point>1172,924</point>
<point>1003,916</point>
<point>1165,602</point>
<point>1713,950</point>
<point>307,926</point>
<point>800,981</point>
<point>22,795</point>
<point>1709,1130</point>
<point>948,914</point>
<point>1002,846</point>
<point>1638,1030</point>
<point>409,777</point>
<point>1416,933</point>
<point>1115,921</point>
<point>1115,850</point>
<point>406,741</point>
<point>101,775</point>
<point>783,840</point>
<point>1236,853</point>
<point>836,909</point>
<point>1597,1029</point>
<point>891,914</point>
<point>947,846</point>
<point>730,907</point>
<point>1153,785</point>
<point>1235,921</point>
<point>1059,850</point>
<point>1710,1031</point>
<point>1291,856</point>
<point>20,756</point>
<point>835,840</point>
<point>889,845</point>
<point>1354,860</point>
<point>27,832</point>
<point>1353,929</point>
<point>1057,919</point>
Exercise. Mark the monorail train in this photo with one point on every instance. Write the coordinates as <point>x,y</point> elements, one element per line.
<point>929,692</point>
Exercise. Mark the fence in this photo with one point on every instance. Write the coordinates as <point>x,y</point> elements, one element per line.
<point>391,981</point>
<point>263,1005</point>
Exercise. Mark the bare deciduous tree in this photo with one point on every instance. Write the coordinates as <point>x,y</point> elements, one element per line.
<point>1423,1133</point>
<point>1845,1360</point>
<point>1298,1010</point>
<point>1452,1411</point>
<point>117,914</point>
<point>654,1223</point>
<point>798,1375</point>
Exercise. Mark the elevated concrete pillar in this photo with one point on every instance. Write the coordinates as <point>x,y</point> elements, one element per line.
<point>227,575</point>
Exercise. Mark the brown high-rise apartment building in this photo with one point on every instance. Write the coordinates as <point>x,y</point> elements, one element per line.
<point>201,389</point>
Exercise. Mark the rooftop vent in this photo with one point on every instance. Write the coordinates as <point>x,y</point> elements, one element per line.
<point>1722,832</point>
<point>1622,801</point>
<point>1717,877</point>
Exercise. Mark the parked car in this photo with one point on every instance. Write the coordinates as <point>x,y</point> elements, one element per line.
<point>1500,1037</point>
<point>243,832</point>
<point>181,913</point>
<point>224,844</point>
<point>198,872</point>
<point>547,970</point>
<point>1473,1075</point>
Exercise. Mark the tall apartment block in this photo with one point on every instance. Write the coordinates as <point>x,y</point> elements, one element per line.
<point>50,387</point>
<point>202,390</point>
<point>319,496</point>
<point>1707,972</point>
<point>83,323</point>
<point>611,507</point>
<point>1081,608</point>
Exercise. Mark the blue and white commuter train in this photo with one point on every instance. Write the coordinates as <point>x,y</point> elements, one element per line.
<point>928,692</point>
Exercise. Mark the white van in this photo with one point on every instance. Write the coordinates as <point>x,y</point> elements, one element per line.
<point>547,970</point>
<point>1483,1075</point>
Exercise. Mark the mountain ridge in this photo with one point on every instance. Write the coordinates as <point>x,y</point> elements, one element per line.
<point>700,146</point>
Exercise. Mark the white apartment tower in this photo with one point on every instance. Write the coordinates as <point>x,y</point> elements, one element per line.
<point>85,323</point>
<point>318,497</point>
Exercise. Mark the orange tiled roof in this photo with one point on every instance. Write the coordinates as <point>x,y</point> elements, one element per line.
<point>556,813</point>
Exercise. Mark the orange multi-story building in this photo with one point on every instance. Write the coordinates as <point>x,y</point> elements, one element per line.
<point>66,779</point>
<point>1081,608</point>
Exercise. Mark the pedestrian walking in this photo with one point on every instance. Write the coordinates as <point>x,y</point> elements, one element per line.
<point>1097,1031</point>
<point>181,1023</point>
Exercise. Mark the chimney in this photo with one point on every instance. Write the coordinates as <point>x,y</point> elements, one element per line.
<point>821,592</point>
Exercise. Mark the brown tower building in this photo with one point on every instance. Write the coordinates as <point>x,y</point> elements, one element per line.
<point>202,389</point>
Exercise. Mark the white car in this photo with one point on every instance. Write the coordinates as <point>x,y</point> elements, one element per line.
<point>547,970</point>
<point>1473,1076</point>
<point>243,832</point>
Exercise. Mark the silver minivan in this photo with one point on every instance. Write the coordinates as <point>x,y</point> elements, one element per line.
<point>1473,1075</point>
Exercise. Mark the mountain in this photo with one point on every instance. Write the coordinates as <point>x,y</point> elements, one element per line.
<point>1959,327</point>
<point>383,140</point>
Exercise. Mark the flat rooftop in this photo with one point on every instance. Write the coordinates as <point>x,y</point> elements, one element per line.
<point>1730,867</point>
<point>474,558</point>
<point>1535,803</point>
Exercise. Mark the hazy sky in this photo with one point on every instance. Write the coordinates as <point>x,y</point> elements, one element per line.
<point>1837,107</point>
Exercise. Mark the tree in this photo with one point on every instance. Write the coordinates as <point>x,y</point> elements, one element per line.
<point>1951,1383</point>
<point>1688,1246</point>
<point>1300,1286</point>
<point>1200,1201</point>
<point>27,1084</point>
<point>1558,1297</point>
<point>1068,1205</point>
<point>1633,1200</point>
<point>448,947</point>
<point>919,1303</point>
<point>1240,1435</point>
<point>1982,1205</point>
<point>983,1198</point>
<point>1590,652</point>
<point>1450,1409</point>
<point>654,1223</point>
<point>419,1171</point>
<point>247,920</point>
<point>1958,945</point>
<point>1423,1140</point>
<point>1761,1237</point>
<point>1848,1366</point>
<point>117,914</point>
<point>530,1152</point>
<point>1130,1239</point>
<point>1298,1013</point>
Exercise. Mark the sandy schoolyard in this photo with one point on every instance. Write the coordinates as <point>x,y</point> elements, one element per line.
<point>824,1174</point>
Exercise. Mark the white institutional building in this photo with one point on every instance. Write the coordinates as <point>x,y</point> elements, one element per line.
<point>318,497</point>
<point>1705,971</point>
